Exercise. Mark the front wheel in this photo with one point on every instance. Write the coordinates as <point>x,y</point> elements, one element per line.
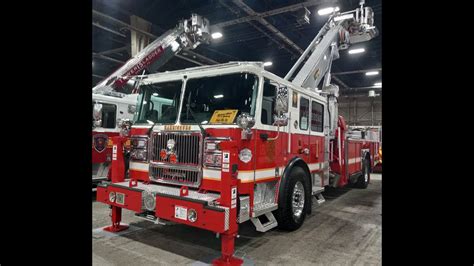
<point>293,202</point>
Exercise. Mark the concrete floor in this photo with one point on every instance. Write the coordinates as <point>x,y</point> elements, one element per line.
<point>345,230</point>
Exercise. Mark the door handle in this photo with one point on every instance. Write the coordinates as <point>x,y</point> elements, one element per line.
<point>304,151</point>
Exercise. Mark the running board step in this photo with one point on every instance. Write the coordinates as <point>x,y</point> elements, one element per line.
<point>317,190</point>
<point>272,222</point>
<point>320,199</point>
<point>152,218</point>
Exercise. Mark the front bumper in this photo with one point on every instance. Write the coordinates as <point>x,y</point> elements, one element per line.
<point>210,215</point>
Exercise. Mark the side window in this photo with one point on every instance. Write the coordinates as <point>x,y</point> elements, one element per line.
<point>109,111</point>
<point>304,113</point>
<point>268,102</point>
<point>316,116</point>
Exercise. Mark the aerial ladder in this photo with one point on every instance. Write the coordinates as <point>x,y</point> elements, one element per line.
<point>313,72</point>
<point>188,35</point>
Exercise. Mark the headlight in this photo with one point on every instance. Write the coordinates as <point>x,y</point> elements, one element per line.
<point>212,153</point>
<point>149,200</point>
<point>139,155</point>
<point>213,159</point>
<point>139,150</point>
<point>192,215</point>
<point>112,196</point>
<point>139,143</point>
<point>245,155</point>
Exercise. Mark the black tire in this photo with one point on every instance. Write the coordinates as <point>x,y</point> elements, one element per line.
<point>285,215</point>
<point>364,179</point>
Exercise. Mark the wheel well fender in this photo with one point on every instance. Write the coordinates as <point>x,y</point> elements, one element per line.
<point>295,162</point>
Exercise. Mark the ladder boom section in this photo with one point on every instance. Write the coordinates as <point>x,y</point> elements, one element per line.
<point>187,35</point>
<point>318,63</point>
<point>340,31</point>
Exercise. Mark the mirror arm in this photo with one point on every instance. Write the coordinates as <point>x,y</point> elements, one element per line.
<point>278,134</point>
<point>278,131</point>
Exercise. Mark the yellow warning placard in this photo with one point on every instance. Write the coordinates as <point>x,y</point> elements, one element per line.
<point>223,116</point>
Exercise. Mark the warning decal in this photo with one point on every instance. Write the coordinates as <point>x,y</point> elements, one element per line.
<point>223,116</point>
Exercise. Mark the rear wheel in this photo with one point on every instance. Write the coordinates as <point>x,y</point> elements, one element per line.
<point>363,180</point>
<point>293,202</point>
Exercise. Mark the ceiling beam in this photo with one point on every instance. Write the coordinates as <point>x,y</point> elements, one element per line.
<point>267,24</point>
<point>223,3</point>
<point>108,29</point>
<point>344,85</point>
<point>98,76</point>
<point>111,51</point>
<point>273,12</point>
<point>356,71</point>
<point>121,23</point>
<point>203,58</point>
<point>108,58</point>
<point>189,60</point>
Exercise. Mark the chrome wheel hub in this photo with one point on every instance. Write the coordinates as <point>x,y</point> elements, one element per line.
<point>297,203</point>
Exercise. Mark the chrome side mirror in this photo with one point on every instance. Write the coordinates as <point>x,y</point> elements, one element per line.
<point>281,103</point>
<point>245,121</point>
<point>281,120</point>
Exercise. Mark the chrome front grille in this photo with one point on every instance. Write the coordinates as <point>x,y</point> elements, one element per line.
<point>187,168</point>
<point>175,176</point>
<point>187,148</point>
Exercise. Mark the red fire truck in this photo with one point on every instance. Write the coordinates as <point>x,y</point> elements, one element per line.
<point>114,98</point>
<point>239,143</point>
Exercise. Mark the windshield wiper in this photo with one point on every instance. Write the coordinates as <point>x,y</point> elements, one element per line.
<point>203,132</point>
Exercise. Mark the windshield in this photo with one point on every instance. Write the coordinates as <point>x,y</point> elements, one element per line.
<point>159,102</point>
<point>204,96</point>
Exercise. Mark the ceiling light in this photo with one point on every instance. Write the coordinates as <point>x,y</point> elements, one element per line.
<point>219,96</point>
<point>268,63</point>
<point>371,73</point>
<point>216,35</point>
<point>346,16</point>
<point>378,84</point>
<point>327,10</point>
<point>357,51</point>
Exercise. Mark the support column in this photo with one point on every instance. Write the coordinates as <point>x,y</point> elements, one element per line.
<point>117,169</point>
<point>229,199</point>
<point>139,40</point>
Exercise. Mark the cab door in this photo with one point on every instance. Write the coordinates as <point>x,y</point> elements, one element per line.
<point>300,141</point>
<point>269,138</point>
<point>317,142</point>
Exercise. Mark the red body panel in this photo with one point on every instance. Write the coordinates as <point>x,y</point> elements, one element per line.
<point>207,218</point>
<point>105,155</point>
<point>133,199</point>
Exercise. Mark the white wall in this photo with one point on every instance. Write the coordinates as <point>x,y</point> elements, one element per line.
<point>358,110</point>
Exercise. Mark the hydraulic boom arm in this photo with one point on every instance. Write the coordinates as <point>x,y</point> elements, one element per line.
<point>187,35</point>
<point>341,30</point>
